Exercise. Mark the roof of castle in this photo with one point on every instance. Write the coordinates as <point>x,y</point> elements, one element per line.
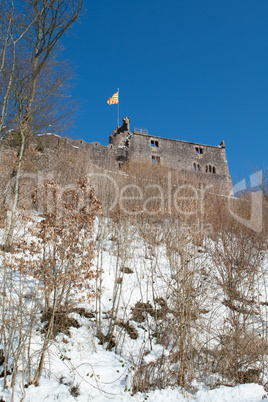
<point>175,140</point>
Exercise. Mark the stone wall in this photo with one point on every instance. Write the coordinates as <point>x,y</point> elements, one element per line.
<point>203,162</point>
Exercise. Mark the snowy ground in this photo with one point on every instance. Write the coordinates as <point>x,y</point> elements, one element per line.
<point>103,375</point>
<point>79,369</point>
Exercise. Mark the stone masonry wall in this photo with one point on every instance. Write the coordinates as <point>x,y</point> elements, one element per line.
<point>178,155</point>
<point>205,162</point>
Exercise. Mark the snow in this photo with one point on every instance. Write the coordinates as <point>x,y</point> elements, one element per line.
<point>101,375</point>
<point>55,135</point>
<point>240,393</point>
<point>112,388</point>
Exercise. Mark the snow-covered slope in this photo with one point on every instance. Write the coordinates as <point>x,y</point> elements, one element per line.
<point>78,367</point>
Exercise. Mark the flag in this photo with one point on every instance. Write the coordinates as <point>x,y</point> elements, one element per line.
<point>113,100</point>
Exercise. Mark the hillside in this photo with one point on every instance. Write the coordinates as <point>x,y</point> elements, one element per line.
<point>128,285</point>
<point>139,303</point>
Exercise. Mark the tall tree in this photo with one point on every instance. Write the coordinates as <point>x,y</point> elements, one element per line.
<point>36,78</point>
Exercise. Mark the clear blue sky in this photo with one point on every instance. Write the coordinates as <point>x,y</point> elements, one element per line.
<point>194,70</point>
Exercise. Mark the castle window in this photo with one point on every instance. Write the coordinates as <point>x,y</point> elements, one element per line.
<point>155,160</point>
<point>96,145</point>
<point>197,167</point>
<point>210,169</point>
<point>81,142</point>
<point>199,150</point>
<point>154,143</point>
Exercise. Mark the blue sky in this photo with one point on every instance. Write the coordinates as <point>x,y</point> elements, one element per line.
<point>194,70</point>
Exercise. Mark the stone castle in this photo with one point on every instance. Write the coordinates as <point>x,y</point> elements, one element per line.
<point>204,162</point>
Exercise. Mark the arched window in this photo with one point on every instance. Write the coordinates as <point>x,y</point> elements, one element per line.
<point>194,166</point>
<point>210,169</point>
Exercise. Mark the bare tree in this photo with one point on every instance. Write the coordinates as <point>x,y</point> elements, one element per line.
<point>36,78</point>
<point>61,250</point>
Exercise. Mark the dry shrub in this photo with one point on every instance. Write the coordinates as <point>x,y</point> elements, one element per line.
<point>239,357</point>
<point>140,309</point>
<point>154,375</point>
<point>153,190</point>
<point>158,374</point>
<point>61,321</point>
<point>130,329</point>
<point>65,238</point>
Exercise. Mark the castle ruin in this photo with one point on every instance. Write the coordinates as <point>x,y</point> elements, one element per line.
<point>203,162</point>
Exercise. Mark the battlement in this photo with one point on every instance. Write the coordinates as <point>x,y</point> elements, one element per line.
<point>207,163</point>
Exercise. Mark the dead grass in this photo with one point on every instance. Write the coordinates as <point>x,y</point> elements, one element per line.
<point>129,328</point>
<point>61,323</point>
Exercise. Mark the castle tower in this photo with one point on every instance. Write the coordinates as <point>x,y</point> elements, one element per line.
<point>206,162</point>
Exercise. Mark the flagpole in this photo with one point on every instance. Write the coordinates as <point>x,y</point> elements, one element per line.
<point>118,110</point>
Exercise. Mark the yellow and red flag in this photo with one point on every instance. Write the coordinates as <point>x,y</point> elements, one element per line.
<point>113,100</point>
